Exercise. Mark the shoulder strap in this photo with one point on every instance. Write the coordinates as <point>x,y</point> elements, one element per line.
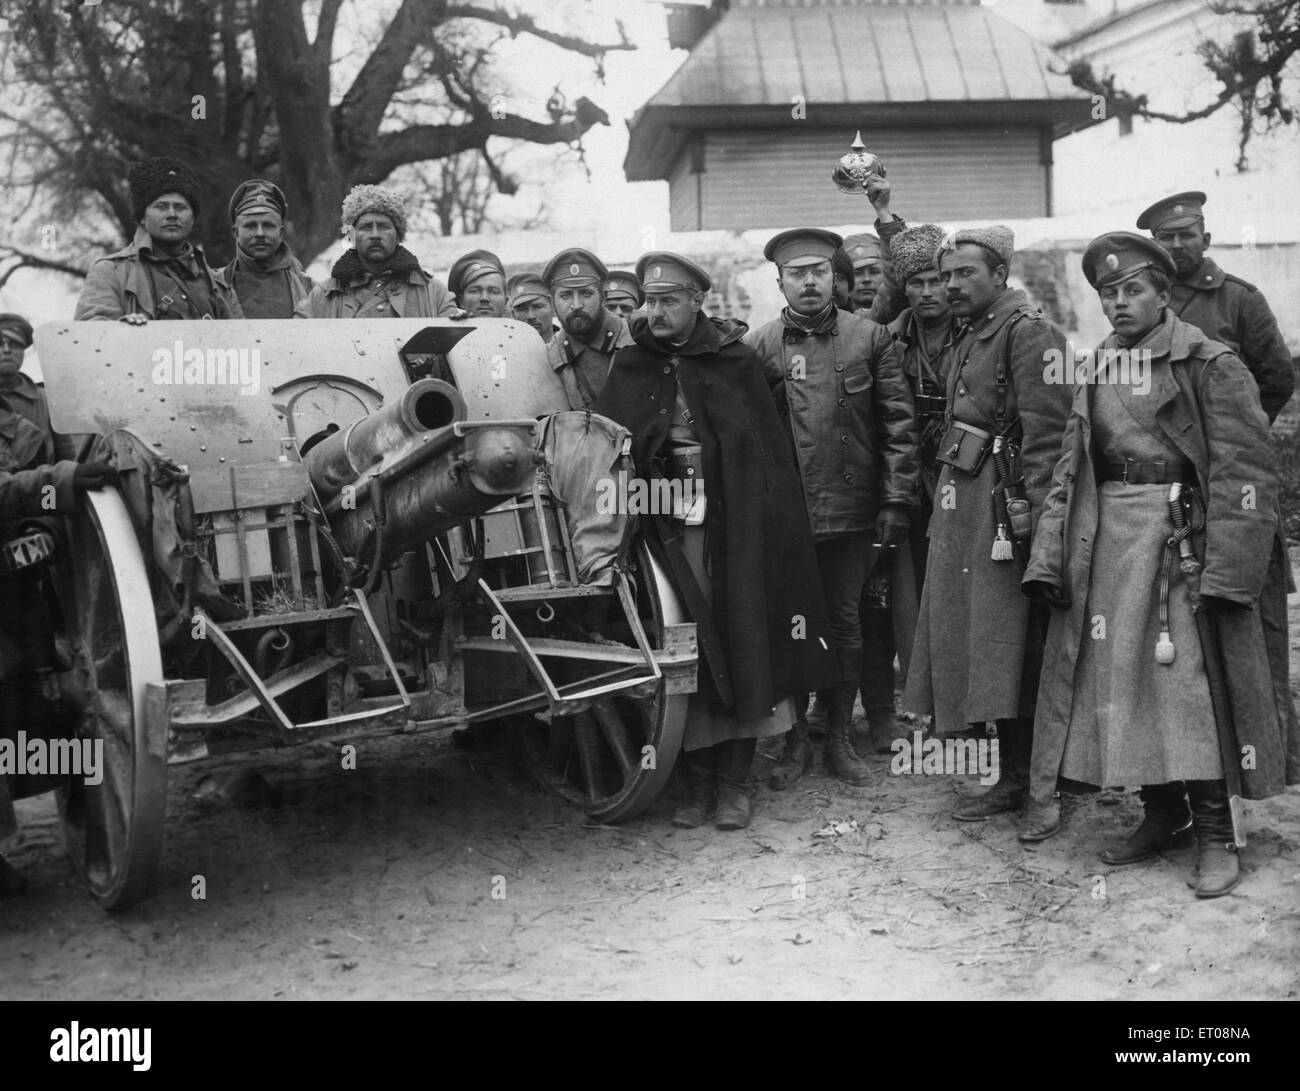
<point>1002,376</point>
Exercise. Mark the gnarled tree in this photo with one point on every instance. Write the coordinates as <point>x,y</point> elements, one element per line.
<point>244,88</point>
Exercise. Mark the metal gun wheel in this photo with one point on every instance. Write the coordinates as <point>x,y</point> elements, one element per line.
<point>596,760</point>
<point>113,830</point>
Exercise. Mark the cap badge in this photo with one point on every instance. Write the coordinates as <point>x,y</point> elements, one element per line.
<point>573,269</point>
<point>1178,210</point>
<point>1112,262</point>
<point>656,272</point>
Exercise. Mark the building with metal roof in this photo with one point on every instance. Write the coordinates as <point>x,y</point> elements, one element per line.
<point>961,105</point>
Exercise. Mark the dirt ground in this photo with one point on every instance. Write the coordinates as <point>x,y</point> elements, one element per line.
<point>434,872</point>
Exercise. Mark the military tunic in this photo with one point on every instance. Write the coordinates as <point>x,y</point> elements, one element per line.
<point>582,366</point>
<point>977,650</point>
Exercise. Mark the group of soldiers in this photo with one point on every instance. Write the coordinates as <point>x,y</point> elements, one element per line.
<point>890,470</point>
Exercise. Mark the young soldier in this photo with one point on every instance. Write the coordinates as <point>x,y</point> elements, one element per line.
<point>161,274</point>
<point>264,274</point>
<point>530,301</point>
<point>1169,423</point>
<point>623,293</point>
<point>839,388</point>
<point>478,281</point>
<point>740,553</point>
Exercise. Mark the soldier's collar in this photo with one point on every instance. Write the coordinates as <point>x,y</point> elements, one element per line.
<point>1208,277</point>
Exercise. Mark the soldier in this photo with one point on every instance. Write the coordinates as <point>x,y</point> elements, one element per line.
<point>842,266</point>
<point>739,548</point>
<point>623,293</point>
<point>376,277</point>
<point>1225,308</point>
<point>1167,414</point>
<point>582,350</point>
<point>839,389</point>
<point>264,274</point>
<point>978,643</point>
<point>478,281</point>
<point>530,301</point>
<point>28,476</point>
<point>1235,313</point>
<point>161,274</point>
<point>925,333</point>
<point>868,269</point>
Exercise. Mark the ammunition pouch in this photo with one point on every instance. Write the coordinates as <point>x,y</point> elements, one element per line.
<point>965,447</point>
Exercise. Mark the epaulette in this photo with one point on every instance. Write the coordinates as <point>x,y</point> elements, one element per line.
<point>1237,280</point>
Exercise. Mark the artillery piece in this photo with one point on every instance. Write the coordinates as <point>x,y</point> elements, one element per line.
<point>344,528</point>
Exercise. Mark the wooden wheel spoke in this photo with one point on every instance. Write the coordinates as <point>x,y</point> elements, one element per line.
<point>617,735</point>
<point>587,749</point>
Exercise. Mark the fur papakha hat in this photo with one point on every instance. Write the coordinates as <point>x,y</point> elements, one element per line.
<point>915,249</point>
<point>151,178</point>
<point>999,239</point>
<point>387,202</point>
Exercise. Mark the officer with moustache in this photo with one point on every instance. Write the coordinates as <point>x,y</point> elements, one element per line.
<point>741,553</point>
<point>839,389</point>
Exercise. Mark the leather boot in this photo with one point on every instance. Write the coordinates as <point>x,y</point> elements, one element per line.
<point>796,759</point>
<point>1166,823</point>
<point>884,729</point>
<point>1217,868</point>
<point>838,755</point>
<point>1040,820</point>
<point>816,717</point>
<point>732,761</point>
<point>1009,793</point>
<point>695,768</point>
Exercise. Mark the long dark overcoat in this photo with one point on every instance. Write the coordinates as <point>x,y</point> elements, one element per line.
<point>768,610</point>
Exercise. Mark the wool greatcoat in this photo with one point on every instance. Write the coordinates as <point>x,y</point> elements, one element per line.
<point>768,614</point>
<point>1206,405</point>
<point>978,648</point>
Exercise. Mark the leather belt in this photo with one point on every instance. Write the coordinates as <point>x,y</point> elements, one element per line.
<point>1158,472</point>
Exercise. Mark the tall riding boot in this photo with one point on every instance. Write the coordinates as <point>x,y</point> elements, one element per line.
<point>1166,823</point>
<point>838,755</point>
<point>1008,794</point>
<point>1217,868</point>
<point>732,760</point>
<point>876,664</point>
<point>695,768</point>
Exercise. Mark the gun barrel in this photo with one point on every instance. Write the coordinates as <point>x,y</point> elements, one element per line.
<point>342,458</point>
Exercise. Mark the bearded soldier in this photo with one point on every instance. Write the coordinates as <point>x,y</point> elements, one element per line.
<point>839,389</point>
<point>589,334</point>
<point>739,551</point>
<point>1166,437</point>
<point>978,643</point>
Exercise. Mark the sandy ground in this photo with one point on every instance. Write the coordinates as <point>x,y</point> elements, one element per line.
<point>433,872</point>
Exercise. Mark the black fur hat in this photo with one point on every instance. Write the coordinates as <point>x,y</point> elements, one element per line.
<point>151,178</point>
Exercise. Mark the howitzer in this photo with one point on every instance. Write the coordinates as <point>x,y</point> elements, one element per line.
<point>334,529</point>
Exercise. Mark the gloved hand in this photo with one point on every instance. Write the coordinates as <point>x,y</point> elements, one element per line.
<point>1042,591</point>
<point>892,525</point>
<point>93,475</point>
